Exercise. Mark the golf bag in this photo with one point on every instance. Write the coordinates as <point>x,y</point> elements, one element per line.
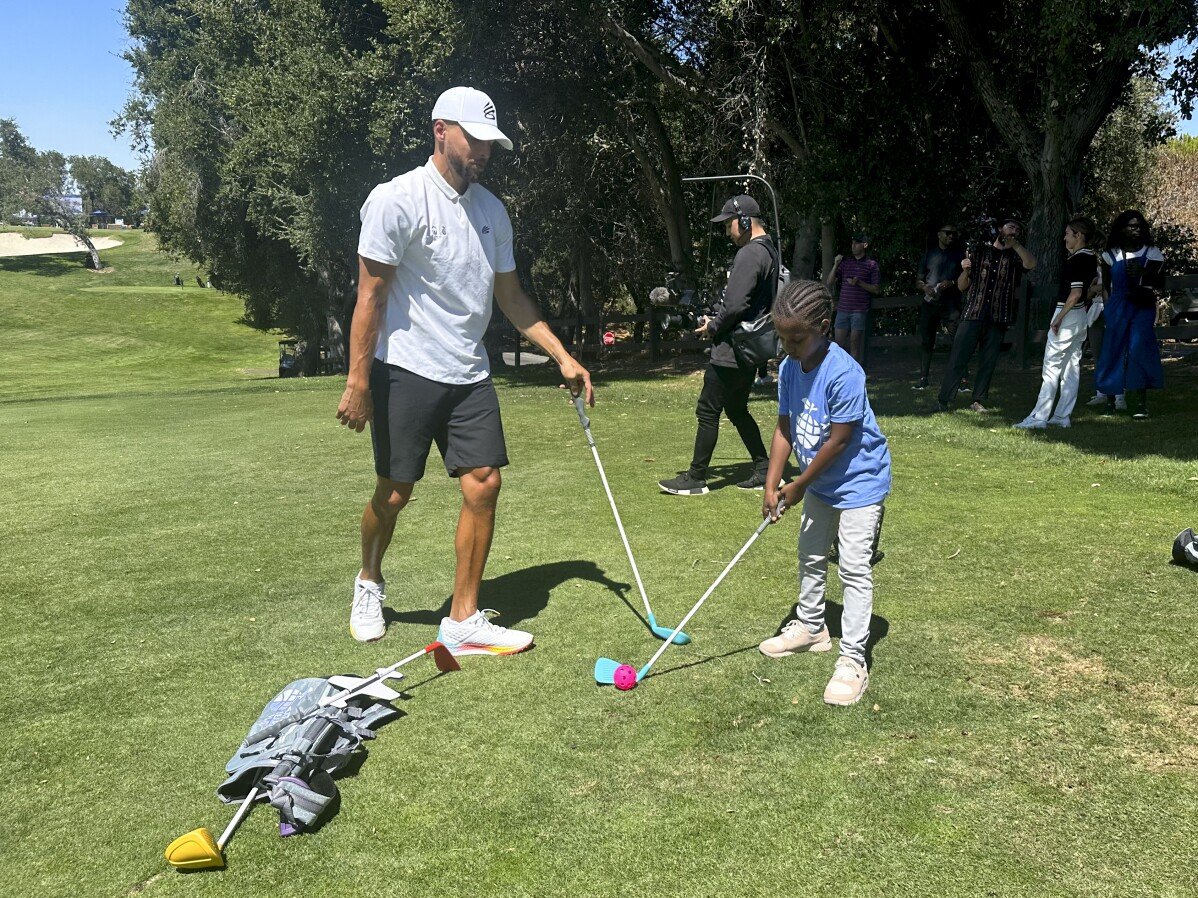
<point>1185,549</point>
<point>295,766</point>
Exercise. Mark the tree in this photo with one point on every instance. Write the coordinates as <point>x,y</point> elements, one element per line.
<point>103,185</point>
<point>1048,74</point>
<point>40,184</point>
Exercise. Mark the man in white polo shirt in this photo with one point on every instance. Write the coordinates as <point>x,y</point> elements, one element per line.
<point>435,246</point>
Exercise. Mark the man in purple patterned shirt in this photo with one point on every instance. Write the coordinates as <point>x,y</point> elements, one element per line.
<point>859,279</point>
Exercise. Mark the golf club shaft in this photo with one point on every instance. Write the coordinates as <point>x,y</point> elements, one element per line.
<point>246,804</point>
<point>699,604</point>
<point>579,404</point>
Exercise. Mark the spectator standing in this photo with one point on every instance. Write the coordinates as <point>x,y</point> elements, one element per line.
<point>989,276</point>
<point>1133,269</point>
<point>1067,333</point>
<point>859,278</point>
<point>938,272</point>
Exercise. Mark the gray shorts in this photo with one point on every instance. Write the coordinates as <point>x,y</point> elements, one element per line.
<point>850,321</point>
<point>412,412</point>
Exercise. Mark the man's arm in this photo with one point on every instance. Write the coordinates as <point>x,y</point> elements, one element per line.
<point>523,313</point>
<point>831,278</point>
<point>963,279</point>
<point>374,279</point>
<point>874,285</point>
<point>1025,255</point>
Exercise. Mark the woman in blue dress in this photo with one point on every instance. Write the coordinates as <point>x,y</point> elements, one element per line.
<point>1133,270</point>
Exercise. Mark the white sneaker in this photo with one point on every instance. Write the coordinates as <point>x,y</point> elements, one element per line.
<point>366,622</point>
<point>847,684</point>
<point>1030,423</point>
<point>1097,399</point>
<point>476,635</point>
<point>1059,422</point>
<point>1120,403</point>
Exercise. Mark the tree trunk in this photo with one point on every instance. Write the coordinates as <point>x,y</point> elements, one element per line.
<point>802,263</point>
<point>827,240</point>
<point>661,171</point>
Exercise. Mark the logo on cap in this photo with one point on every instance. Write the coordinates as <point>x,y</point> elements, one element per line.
<point>489,111</point>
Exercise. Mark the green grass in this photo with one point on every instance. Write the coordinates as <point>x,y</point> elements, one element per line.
<point>179,537</point>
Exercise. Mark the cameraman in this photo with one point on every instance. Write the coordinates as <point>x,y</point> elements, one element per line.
<point>726,385</point>
<point>989,276</point>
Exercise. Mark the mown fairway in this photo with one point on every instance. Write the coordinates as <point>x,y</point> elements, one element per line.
<point>179,537</point>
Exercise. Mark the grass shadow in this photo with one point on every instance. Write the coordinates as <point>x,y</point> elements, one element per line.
<point>47,265</point>
<point>521,595</point>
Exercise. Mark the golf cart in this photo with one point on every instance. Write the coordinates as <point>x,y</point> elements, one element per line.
<point>289,358</point>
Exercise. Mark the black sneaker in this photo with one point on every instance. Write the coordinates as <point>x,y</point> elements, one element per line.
<point>922,385</point>
<point>756,481</point>
<point>684,485</point>
<point>964,387</point>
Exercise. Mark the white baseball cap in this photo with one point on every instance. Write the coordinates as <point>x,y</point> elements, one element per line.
<point>474,111</point>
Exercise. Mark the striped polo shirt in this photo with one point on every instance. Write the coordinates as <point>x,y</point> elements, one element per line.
<point>855,298</point>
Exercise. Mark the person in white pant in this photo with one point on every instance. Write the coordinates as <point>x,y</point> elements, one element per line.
<point>825,417</point>
<point>1067,334</point>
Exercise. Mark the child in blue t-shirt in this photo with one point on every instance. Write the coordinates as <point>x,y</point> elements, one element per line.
<point>825,417</point>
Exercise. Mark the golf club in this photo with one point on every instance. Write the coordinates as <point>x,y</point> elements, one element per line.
<point>625,676</point>
<point>677,636</point>
<point>443,658</point>
<point>197,850</point>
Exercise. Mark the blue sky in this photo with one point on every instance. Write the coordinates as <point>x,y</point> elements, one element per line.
<point>62,77</point>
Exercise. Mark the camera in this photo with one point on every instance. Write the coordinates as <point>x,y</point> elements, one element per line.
<point>680,310</point>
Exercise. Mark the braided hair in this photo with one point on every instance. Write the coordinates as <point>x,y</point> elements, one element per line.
<point>806,301</point>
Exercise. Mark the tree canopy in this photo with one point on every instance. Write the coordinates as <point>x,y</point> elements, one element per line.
<point>270,123</point>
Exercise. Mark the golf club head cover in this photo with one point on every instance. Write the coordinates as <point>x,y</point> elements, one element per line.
<point>1185,548</point>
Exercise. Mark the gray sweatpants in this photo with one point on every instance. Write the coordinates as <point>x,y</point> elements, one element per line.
<point>855,528</point>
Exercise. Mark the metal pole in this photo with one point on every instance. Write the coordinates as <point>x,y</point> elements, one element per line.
<point>773,196</point>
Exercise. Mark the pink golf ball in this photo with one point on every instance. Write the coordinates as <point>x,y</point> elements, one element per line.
<point>624,677</point>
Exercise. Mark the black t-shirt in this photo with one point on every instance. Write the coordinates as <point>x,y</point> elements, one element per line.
<point>1080,270</point>
<point>940,265</point>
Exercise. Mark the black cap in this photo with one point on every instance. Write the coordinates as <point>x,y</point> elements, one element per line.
<point>860,237</point>
<point>747,206</point>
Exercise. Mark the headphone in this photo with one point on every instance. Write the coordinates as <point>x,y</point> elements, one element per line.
<point>744,221</point>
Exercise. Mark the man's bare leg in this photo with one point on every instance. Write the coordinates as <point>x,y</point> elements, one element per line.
<point>856,343</point>
<point>476,526</point>
<point>378,524</point>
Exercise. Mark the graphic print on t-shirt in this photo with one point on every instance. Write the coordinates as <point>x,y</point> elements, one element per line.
<point>809,432</point>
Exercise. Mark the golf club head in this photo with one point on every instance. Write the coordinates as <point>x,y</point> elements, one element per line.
<point>196,850</point>
<point>605,671</point>
<point>664,632</point>
<point>376,689</point>
<point>443,657</point>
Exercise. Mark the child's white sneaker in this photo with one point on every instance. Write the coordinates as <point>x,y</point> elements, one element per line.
<point>796,638</point>
<point>1059,422</point>
<point>1030,423</point>
<point>1097,399</point>
<point>366,623</point>
<point>848,682</point>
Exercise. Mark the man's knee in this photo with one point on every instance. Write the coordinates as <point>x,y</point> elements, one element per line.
<point>480,487</point>
<point>390,496</point>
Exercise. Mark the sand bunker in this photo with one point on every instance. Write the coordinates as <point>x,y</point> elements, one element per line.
<point>17,245</point>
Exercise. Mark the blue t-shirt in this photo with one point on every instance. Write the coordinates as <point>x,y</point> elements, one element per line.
<point>834,393</point>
